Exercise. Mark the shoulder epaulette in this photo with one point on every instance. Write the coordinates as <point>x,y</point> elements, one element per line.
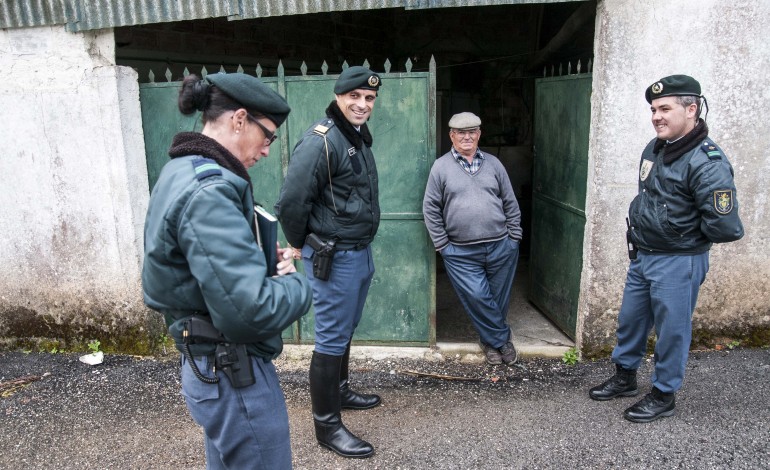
<point>205,167</point>
<point>712,150</point>
<point>320,129</point>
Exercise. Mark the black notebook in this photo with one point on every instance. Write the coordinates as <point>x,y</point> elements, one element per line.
<point>267,237</point>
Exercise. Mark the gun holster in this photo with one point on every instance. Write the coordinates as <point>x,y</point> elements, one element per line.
<point>232,359</point>
<point>323,257</point>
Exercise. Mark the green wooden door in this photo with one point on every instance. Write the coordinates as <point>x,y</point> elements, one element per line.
<point>401,305</point>
<point>562,120</point>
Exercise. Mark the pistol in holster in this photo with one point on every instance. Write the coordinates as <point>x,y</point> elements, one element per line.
<point>232,359</point>
<point>323,257</point>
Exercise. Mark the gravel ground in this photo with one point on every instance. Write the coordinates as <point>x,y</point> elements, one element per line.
<point>56,412</point>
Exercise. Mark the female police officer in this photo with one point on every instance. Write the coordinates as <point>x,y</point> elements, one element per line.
<point>205,272</point>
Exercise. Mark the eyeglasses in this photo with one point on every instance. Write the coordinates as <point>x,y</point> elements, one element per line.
<point>269,136</point>
<point>466,132</point>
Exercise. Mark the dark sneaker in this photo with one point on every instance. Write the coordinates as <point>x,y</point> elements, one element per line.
<point>508,354</point>
<point>492,355</point>
<point>654,405</point>
<point>622,384</point>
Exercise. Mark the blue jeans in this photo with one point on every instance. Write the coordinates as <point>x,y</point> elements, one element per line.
<point>339,301</point>
<point>661,291</point>
<point>482,275</point>
<point>243,427</point>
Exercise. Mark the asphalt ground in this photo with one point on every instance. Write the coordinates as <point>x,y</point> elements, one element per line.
<point>127,413</point>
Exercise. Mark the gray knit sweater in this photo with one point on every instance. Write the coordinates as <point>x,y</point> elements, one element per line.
<point>465,209</point>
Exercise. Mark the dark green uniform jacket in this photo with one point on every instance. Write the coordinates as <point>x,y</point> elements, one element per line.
<point>201,256</point>
<point>347,208</point>
<point>685,205</point>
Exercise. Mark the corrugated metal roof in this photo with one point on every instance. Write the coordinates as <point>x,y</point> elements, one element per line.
<point>21,13</point>
<point>80,15</point>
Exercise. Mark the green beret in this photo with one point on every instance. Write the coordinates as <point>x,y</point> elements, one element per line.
<point>252,94</point>
<point>673,85</point>
<point>357,77</point>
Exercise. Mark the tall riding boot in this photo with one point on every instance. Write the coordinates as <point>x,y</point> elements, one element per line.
<point>350,400</point>
<point>325,397</point>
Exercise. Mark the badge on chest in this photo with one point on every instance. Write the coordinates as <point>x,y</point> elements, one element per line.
<point>645,169</point>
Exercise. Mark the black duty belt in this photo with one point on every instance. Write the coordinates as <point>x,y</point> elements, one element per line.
<point>341,246</point>
<point>230,358</point>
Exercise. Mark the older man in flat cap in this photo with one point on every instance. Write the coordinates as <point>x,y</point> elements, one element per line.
<point>473,218</point>
<point>686,202</point>
<point>329,210</point>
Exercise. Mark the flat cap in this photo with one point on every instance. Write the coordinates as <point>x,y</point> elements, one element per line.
<point>356,77</point>
<point>464,121</point>
<point>252,94</point>
<point>673,85</point>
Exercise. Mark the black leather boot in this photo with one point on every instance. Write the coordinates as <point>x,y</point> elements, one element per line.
<point>654,405</point>
<point>622,384</point>
<point>350,400</point>
<point>325,397</point>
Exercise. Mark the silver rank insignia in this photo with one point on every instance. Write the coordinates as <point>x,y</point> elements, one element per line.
<point>644,171</point>
<point>351,151</point>
<point>723,201</point>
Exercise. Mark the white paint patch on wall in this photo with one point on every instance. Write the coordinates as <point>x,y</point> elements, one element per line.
<point>724,46</point>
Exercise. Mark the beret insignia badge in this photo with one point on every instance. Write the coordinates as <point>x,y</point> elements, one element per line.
<point>374,80</point>
<point>723,201</point>
<point>657,88</point>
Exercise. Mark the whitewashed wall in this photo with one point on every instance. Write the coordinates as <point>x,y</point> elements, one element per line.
<point>74,190</point>
<point>725,46</point>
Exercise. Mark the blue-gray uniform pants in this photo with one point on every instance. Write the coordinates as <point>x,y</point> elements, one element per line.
<point>243,427</point>
<point>661,291</point>
<point>482,275</point>
<point>339,302</point>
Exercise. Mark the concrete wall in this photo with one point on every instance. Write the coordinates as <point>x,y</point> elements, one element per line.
<point>723,45</point>
<point>74,191</point>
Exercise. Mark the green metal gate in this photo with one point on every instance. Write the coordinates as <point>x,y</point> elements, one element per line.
<point>562,121</point>
<point>401,305</point>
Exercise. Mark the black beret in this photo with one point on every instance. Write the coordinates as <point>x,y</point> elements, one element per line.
<point>252,94</point>
<point>673,85</point>
<point>356,77</point>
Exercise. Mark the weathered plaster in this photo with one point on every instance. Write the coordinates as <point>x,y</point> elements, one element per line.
<point>724,46</point>
<point>75,187</point>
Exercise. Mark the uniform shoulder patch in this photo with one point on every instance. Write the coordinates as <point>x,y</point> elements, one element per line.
<point>712,150</point>
<point>205,167</point>
<point>320,129</point>
<point>723,201</point>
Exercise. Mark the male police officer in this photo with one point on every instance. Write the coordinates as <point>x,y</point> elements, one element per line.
<point>329,206</point>
<point>686,202</point>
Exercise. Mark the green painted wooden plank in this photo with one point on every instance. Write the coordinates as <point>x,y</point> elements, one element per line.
<point>562,120</point>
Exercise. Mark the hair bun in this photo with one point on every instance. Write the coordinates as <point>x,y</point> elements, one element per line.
<point>200,95</point>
